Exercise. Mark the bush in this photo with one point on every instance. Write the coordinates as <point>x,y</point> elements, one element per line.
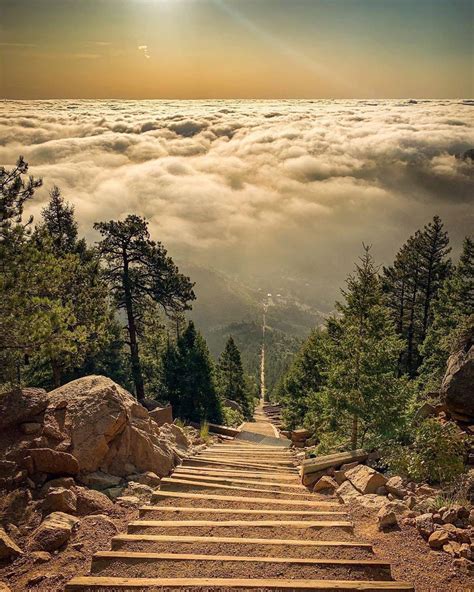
<point>232,417</point>
<point>436,454</point>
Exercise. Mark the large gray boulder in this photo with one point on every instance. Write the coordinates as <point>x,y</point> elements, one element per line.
<point>458,384</point>
<point>21,405</point>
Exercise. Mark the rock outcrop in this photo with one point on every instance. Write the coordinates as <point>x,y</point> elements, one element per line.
<point>457,388</point>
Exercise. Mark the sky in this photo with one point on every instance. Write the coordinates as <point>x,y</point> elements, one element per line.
<point>279,193</point>
<point>271,49</point>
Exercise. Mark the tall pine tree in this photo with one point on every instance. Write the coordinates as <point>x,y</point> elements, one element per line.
<point>231,378</point>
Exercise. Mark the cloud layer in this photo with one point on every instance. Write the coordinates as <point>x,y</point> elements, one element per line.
<point>259,188</point>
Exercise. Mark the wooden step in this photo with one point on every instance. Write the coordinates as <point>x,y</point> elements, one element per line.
<point>199,461</point>
<point>248,500</point>
<point>229,480</point>
<point>176,483</point>
<point>215,472</point>
<point>88,582</point>
<point>249,452</point>
<point>158,538</point>
<point>254,458</point>
<point>301,524</point>
<point>225,511</point>
<point>141,556</point>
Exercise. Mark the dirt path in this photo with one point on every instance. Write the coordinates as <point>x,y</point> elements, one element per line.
<point>258,528</point>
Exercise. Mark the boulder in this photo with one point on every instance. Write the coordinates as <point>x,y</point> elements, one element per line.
<point>46,460</point>
<point>300,435</point>
<point>347,492</point>
<point>311,478</point>
<point>449,516</point>
<point>457,388</point>
<point>395,486</point>
<point>21,405</point>
<point>59,499</point>
<point>372,501</point>
<point>8,548</point>
<point>148,478</point>
<point>99,480</point>
<point>106,429</point>
<point>438,539</point>
<point>55,530</point>
<point>162,415</point>
<point>41,556</point>
<point>91,502</point>
<point>176,435</point>
<point>386,518</point>
<point>365,479</point>
<point>425,525</point>
<point>326,484</point>
<point>66,482</point>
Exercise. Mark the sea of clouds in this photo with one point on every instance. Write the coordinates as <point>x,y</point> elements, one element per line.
<point>290,187</point>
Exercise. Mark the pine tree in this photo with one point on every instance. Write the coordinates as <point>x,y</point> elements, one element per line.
<point>139,271</point>
<point>231,378</point>
<point>60,223</point>
<point>190,380</point>
<point>362,362</point>
<point>453,312</point>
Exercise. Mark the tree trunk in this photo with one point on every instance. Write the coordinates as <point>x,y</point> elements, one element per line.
<point>55,367</point>
<point>132,332</point>
<point>355,430</point>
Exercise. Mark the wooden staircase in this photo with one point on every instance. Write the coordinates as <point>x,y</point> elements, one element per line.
<point>236,517</point>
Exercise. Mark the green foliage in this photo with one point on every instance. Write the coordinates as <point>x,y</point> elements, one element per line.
<point>204,432</point>
<point>435,455</point>
<point>231,417</point>
<point>190,380</point>
<point>231,380</point>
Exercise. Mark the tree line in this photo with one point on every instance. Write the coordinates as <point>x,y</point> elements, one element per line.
<point>68,309</point>
<point>358,380</point>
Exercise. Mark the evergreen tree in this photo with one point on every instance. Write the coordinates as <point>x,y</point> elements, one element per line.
<point>190,380</point>
<point>139,271</point>
<point>231,379</point>
<point>59,222</point>
<point>361,374</point>
<point>453,313</point>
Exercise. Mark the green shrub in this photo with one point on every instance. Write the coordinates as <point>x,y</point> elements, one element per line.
<point>204,432</point>
<point>436,454</point>
<point>232,417</point>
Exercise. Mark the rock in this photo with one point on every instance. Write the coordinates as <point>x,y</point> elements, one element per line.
<point>425,525</point>
<point>90,501</point>
<point>20,405</point>
<point>326,484</point>
<point>465,551</point>
<point>176,435</point>
<point>53,532</point>
<point>426,410</point>
<point>162,415</point>
<point>138,490</point>
<point>410,501</point>
<point>471,518</point>
<point>148,478</point>
<point>16,506</point>
<point>46,460</point>
<point>107,429</point>
<point>453,548</point>
<point>464,565</point>
<point>98,521</point>
<point>4,587</point>
<point>114,492</point>
<point>59,499</point>
<point>386,518</point>
<point>130,501</point>
<point>340,477</point>
<point>347,492</point>
<point>311,478</point>
<point>8,548</point>
<point>457,388</point>
<point>30,428</point>
<point>65,482</point>
<point>438,539</point>
<point>372,501</point>
<point>348,466</point>
<point>395,486</point>
<point>77,546</point>
<point>426,490</point>
<point>41,556</point>
<point>99,480</point>
<point>381,490</point>
<point>449,516</point>
<point>365,479</point>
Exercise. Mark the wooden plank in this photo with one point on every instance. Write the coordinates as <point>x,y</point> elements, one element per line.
<point>87,582</point>
<point>157,538</point>
<point>192,510</point>
<point>240,458</point>
<point>319,463</point>
<point>228,463</point>
<point>223,479</point>
<point>170,482</point>
<point>313,524</point>
<point>143,556</point>
<point>235,473</point>
<point>218,429</point>
<point>243,500</point>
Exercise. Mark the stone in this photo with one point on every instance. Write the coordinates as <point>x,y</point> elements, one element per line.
<point>381,490</point>
<point>8,548</point>
<point>326,484</point>
<point>426,410</point>
<point>99,480</point>
<point>386,518</point>
<point>365,479</point>
<point>395,486</point>
<point>130,501</point>
<point>138,490</point>
<point>30,428</point>
<point>162,415</point>
<point>464,565</point>
<point>148,478</point>
<point>453,548</point>
<point>90,501</point>
<point>425,525</point>
<point>4,587</point>
<point>20,405</point>
<point>457,388</point>
<point>55,530</point>
<point>471,518</point>
<point>348,466</point>
<point>449,516</point>
<point>426,490</point>
<point>465,551</point>
<point>311,478</point>
<point>16,506</point>
<point>46,460</point>
<point>372,501</point>
<point>41,556</point>
<point>410,501</point>
<point>438,539</point>
<point>176,435</point>
<point>107,429</point>
<point>347,492</point>
<point>65,482</point>
<point>59,499</point>
<point>114,492</point>
<point>340,477</point>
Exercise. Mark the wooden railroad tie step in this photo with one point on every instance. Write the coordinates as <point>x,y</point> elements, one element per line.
<point>88,582</point>
<point>190,510</point>
<point>253,458</point>
<point>199,461</point>
<point>171,483</point>
<point>141,556</point>
<point>228,480</point>
<point>246,500</point>
<point>119,539</point>
<point>216,472</point>
<point>314,524</point>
